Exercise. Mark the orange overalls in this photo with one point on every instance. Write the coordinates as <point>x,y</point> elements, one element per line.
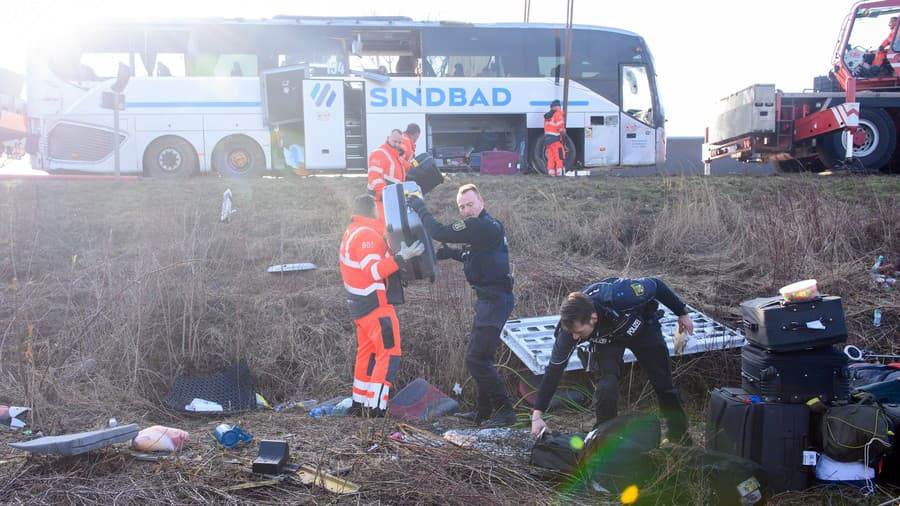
<point>556,156</point>
<point>409,151</point>
<point>385,168</point>
<point>366,263</point>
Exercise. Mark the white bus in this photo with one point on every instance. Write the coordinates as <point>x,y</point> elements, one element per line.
<point>243,97</point>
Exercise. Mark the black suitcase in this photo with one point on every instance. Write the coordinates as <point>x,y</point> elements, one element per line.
<point>425,173</point>
<point>795,377</point>
<point>772,435</point>
<point>404,225</point>
<point>776,325</point>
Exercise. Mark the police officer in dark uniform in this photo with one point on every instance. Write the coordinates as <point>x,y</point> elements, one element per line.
<point>485,259</point>
<point>615,314</point>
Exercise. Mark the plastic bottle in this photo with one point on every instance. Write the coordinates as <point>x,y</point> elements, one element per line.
<point>876,265</point>
<point>341,408</point>
<point>321,411</point>
<point>230,436</point>
<point>876,320</point>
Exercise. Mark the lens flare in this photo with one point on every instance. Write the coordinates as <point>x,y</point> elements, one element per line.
<point>576,442</point>
<point>629,495</point>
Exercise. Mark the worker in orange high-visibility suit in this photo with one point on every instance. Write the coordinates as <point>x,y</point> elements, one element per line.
<point>366,265</point>
<point>554,129</point>
<point>385,168</point>
<point>885,47</point>
<point>408,145</point>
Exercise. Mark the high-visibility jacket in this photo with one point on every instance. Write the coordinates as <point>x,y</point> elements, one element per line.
<point>366,263</point>
<point>555,124</point>
<point>384,169</point>
<point>409,148</point>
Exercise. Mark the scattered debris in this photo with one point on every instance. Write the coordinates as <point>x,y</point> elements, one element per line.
<point>232,389</point>
<point>273,455</point>
<point>75,444</point>
<point>421,401</point>
<point>292,267</point>
<point>160,439</point>
<point>9,416</point>
<point>312,476</point>
<point>262,402</point>
<point>227,208</point>
<point>461,440</point>
<point>230,436</point>
<point>203,405</point>
<point>307,404</point>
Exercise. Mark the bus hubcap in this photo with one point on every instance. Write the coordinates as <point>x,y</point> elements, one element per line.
<point>169,159</point>
<point>239,159</point>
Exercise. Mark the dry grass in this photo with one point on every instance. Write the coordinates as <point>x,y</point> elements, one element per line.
<point>108,291</point>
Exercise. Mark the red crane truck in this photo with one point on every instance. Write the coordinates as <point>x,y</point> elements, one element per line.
<point>849,121</point>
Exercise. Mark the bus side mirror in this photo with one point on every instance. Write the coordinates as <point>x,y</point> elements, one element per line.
<point>122,78</point>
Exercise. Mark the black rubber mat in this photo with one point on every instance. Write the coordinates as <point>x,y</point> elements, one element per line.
<point>232,388</point>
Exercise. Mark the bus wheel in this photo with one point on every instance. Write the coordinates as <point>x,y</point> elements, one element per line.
<point>539,154</point>
<point>873,142</point>
<point>170,156</point>
<point>238,156</point>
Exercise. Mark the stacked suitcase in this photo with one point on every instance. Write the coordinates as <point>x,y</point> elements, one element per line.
<point>789,357</point>
<point>788,360</point>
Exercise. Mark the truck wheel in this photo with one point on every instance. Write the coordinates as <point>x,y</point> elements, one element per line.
<point>238,156</point>
<point>539,155</point>
<point>874,142</point>
<point>170,156</point>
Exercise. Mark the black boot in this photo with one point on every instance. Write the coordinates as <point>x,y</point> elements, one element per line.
<point>503,417</point>
<point>475,417</point>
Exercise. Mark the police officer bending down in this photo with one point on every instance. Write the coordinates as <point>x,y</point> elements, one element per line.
<point>615,314</point>
<point>485,259</point>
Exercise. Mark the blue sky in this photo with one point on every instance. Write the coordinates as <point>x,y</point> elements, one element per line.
<point>704,50</point>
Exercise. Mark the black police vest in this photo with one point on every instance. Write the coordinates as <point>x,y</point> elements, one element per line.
<point>487,266</point>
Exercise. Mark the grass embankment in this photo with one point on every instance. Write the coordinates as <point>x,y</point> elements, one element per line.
<point>124,286</point>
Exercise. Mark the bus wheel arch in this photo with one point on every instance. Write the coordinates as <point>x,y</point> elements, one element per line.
<point>876,139</point>
<point>238,155</point>
<point>537,157</point>
<point>170,156</point>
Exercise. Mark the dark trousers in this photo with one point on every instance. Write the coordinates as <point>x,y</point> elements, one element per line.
<point>650,349</point>
<point>483,343</point>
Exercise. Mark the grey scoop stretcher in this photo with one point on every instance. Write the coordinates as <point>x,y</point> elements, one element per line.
<point>81,442</point>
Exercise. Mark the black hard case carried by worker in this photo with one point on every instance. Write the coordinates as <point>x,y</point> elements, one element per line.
<point>797,376</point>
<point>404,225</point>
<point>772,435</point>
<point>776,325</point>
<point>425,173</point>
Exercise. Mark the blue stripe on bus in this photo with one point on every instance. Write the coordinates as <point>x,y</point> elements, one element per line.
<point>322,96</point>
<point>193,104</point>
<point>571,102</point>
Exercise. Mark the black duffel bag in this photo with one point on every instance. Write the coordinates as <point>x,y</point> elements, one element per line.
<point>558,451</point>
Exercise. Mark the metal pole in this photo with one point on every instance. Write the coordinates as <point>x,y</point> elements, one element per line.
<point>567,61</point>
<point>568,58</point>
<point>116,134</point>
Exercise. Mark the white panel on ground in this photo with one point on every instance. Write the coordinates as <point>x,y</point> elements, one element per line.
<point>531,339</point>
